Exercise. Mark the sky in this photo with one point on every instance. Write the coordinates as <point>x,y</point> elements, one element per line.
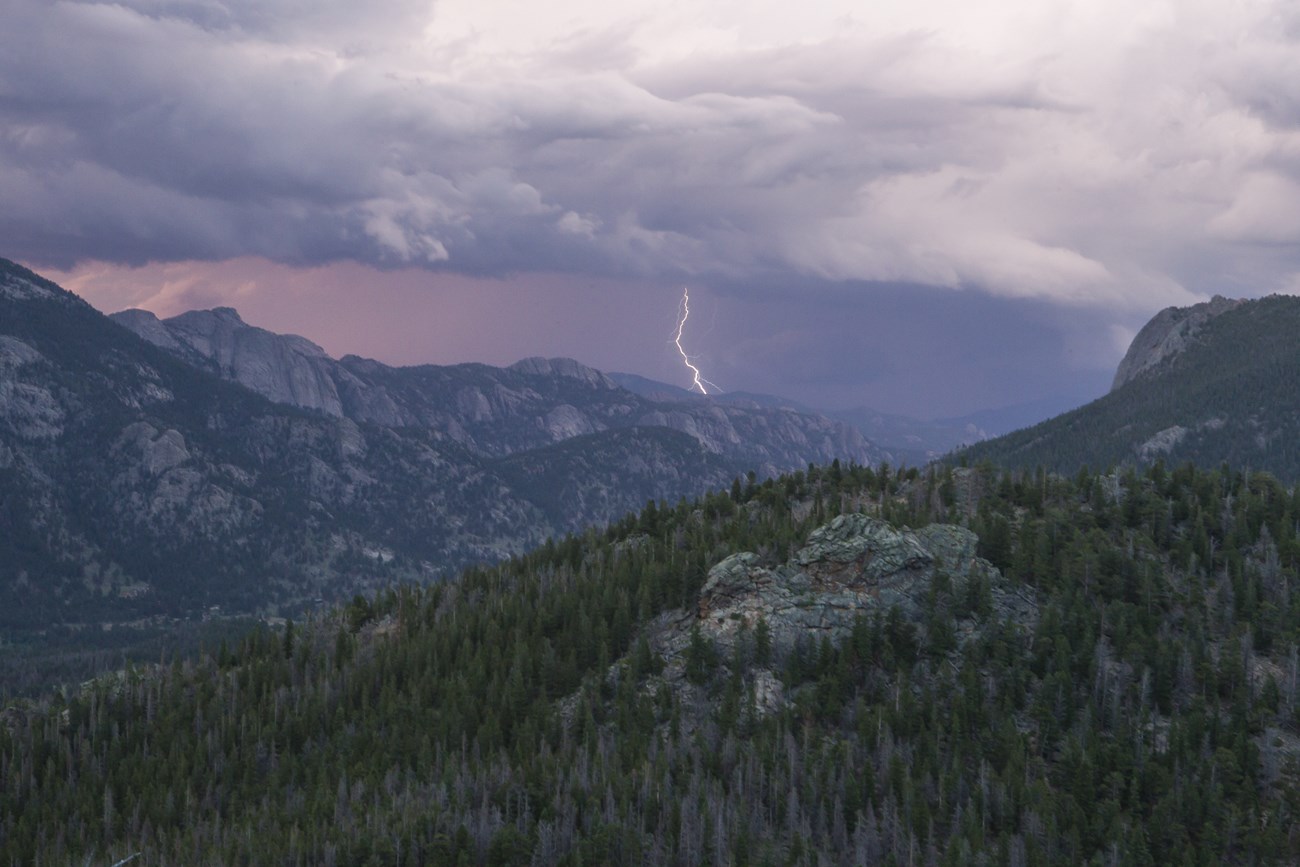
<point>929,207</point>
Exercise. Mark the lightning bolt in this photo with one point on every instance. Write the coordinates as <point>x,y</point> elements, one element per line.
<point>697,381</point>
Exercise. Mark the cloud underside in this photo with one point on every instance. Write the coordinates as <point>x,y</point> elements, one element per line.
<point>1084,153</point>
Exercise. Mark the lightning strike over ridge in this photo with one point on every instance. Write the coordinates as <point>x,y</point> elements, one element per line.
<point>698,381</point>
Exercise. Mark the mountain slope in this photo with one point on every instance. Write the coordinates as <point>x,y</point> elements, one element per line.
<point>133,484</point>
<point>1080,676</point>
<point>899,439</point>
<point>135,481</point>
<point>1204,388</point>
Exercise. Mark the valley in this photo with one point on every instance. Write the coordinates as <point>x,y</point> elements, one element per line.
<point>652,434</point>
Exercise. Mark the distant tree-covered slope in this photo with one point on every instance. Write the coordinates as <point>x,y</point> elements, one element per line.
<point>1230,393</point>
<point>1092,670</point>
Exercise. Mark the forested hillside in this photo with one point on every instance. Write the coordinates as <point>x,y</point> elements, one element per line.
<point>1145,713</point>
<point>1231,393</point>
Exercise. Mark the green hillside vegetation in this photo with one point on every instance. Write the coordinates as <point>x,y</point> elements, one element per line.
<point>1148,717</point>
<point>587,469</point>
<point>1235,389</point>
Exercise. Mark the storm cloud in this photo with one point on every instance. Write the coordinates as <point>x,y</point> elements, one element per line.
<point>1085,153</point>
<point>931,207</point>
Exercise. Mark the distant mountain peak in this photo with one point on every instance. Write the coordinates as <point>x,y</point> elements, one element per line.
<point>228,314</point>
<point>147,326</point>
<point>1205,384</point>
<point>225,323</point>
<point>566,367</point>
<point>283,367</point>
<point>1166,335</point>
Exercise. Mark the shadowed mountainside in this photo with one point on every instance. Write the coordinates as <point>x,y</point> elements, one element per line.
<point>135,481</point>
<point>1212,383</point>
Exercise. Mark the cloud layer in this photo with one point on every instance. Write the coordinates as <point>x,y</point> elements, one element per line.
<point>1089,153</point>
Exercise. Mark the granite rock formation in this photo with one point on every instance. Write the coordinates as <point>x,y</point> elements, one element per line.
<point>855,566</point>
<point>1166,335</point>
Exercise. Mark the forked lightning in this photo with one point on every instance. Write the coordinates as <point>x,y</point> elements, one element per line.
<point>698,381</point>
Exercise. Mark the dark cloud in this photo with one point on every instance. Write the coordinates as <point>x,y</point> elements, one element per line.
<point>344,24</point>
<point>913,349</point>
<point>1112,161</point>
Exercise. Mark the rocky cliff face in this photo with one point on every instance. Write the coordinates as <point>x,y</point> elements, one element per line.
<point>284,368</point>
<point>494,412</point>
<point>855,566</point>
<point>1166,335</point>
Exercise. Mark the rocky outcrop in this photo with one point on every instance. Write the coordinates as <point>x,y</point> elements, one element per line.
<point>149,327</point>
<point>1162,442</point>
<point>161,487</point>
<point>1166,335</point>
<point>29,409</point>
<point>284,368</point>
<point>856,567</point>
<point>156,452</point>
<point>18,286</point>
<point>852,567</point>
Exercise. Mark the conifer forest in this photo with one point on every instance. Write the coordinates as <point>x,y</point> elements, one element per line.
<point>519,716</point>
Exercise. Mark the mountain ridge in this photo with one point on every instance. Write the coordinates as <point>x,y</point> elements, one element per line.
<point>1215,382</point>
<point>493,411</point>
<point>138,481</point>
<point>904,439</point>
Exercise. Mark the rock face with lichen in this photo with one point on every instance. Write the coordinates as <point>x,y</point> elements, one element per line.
<point>852,567</point>
<point>855,567</point>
